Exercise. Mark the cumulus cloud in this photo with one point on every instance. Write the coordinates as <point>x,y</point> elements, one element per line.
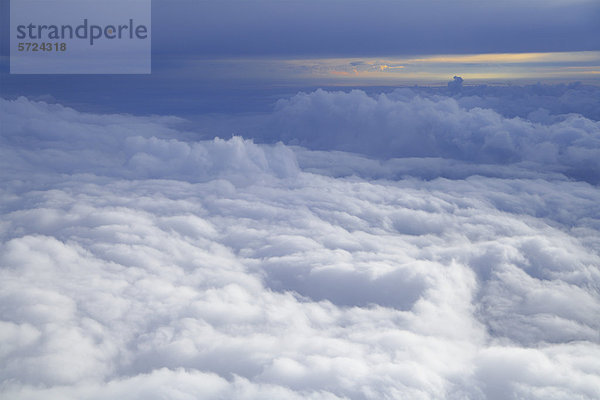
<point>402,124</point>
<point>138,263</point>
<point>58,139</point>
<point>455,85</point>
<point>539,102</point>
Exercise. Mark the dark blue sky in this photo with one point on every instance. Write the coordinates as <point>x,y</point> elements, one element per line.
<point>234,56</point>
<point>359,28</point>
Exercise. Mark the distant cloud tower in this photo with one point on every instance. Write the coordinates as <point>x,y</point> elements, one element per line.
<point>456,84</point>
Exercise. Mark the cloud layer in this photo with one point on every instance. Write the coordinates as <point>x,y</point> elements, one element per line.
<point>137,263</point>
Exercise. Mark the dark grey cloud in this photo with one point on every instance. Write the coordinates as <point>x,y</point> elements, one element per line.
<point>209,28</point>
<point>362,28</point>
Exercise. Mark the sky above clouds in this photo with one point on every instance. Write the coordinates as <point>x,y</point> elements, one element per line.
<point>241,56</point>
<point>424,41</point>
<point>242,38</point>
<point>359,28</point>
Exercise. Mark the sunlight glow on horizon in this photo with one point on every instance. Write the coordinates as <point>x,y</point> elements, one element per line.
<point>510,58</point>
<point>506,66</point>
<point>581,66</point>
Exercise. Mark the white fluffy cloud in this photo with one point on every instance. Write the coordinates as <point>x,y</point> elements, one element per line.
<point>138,264</point>
<point>406,124</point>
